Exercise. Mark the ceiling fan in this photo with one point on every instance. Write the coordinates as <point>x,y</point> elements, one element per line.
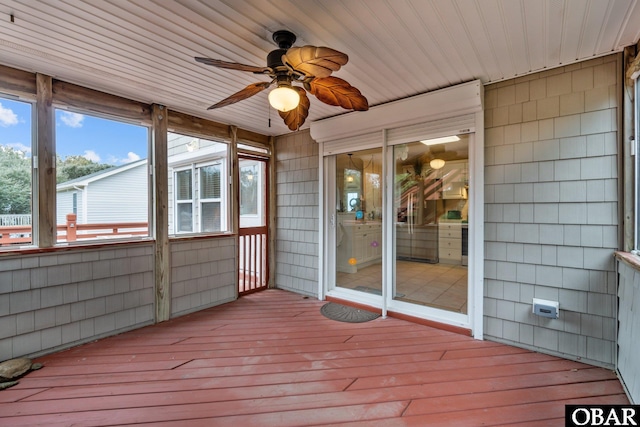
<point>309,65</point>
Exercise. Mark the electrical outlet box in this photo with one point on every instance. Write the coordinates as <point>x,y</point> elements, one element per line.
<point>545,308</point>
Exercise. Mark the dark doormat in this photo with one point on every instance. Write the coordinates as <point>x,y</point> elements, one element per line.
<point>343,313</point>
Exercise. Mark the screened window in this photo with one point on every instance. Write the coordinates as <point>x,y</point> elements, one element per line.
<point>252,192</point>
<point>249,181</point>
<point>102,176</point>
<point>198,185</point>
<point>15,174</point>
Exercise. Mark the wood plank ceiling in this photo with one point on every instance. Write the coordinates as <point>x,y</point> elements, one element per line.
<point>144,49</point>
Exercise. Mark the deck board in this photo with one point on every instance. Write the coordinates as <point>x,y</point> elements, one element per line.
<point>271,359</point>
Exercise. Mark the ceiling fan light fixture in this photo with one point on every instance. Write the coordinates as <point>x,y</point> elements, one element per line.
<point>310,65</point>
<point>437,164</point>
<point>284,98</point>
<point>442,140</point>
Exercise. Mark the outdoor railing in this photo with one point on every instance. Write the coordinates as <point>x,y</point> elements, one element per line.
<point>253,268</point>
<point>15,219</point>
<point>72,231</point>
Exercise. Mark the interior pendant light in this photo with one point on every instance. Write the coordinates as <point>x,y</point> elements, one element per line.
<point>437,164</point>
<point>284,98</point>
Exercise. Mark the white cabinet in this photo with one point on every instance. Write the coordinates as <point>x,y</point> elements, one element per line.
<point>450,243</point>
<point>368,248</point>
<point>360,242</point>
<point>455,179</point>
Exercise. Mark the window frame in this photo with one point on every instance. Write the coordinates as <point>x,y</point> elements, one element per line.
<point>196,161</point>
<point>189,201</point>
<point>149,187</point>
<point>33,192</point>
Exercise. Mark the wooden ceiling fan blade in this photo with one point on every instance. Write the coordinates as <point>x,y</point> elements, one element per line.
<point>233,65</point>
<point>245,93</point>
<point>335,91</point>
<point>314,61</point>
<point>296,117</point>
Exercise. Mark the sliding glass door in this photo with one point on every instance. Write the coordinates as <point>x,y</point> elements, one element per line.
<point>408,244</point>
<point>358,221</point>
<point>430,201</point>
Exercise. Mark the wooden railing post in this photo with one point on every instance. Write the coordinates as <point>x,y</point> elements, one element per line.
<point>71,227</point>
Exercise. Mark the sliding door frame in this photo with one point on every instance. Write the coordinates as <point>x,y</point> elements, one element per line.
<point>453,110</point>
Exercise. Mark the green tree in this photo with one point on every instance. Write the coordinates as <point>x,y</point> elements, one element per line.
<point>15,182</point>
<point>15,177</point>
<point>72,167</point>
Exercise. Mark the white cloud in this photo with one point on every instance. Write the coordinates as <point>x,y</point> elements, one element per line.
<point>18,146</point>
<point>73,120</point>
<point>131,157</point>
<point>7,117</point>
<point>113,160</point>
<point>91,155</point>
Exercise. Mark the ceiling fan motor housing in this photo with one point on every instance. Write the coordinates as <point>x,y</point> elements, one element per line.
<point>284,39</point>
<point>274,59</point>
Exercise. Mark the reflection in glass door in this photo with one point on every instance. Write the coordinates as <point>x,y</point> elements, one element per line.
<point>431,208</point>
<point>359,221</point>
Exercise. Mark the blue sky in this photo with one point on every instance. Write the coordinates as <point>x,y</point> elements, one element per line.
<point>100,140</point>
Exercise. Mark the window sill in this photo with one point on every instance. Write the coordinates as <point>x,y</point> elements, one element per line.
<point>72,247</point>
<point>184,237</point>
<point>628,258</point>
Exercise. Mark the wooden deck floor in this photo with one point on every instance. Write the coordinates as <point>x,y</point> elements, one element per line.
<point>271,359</point>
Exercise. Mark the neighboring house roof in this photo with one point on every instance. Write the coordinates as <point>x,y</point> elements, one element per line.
<point>83,181</point>
<point>207,153</point>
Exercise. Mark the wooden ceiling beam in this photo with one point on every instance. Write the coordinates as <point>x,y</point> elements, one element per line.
<point>17,82</point>
<point>22,84</point>
<point>81,98</point>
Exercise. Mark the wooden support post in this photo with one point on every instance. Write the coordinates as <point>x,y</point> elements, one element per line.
<point>45,178</point>
<point>161,214</point>
<point>71,227</point>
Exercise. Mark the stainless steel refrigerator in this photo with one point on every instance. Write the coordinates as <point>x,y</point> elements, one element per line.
<point>416,234</point>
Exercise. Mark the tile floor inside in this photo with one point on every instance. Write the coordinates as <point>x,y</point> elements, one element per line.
<point>442,286</point>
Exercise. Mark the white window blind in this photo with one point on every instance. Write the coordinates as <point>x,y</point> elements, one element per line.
<point>210,182</point>
<point>184,185</point>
